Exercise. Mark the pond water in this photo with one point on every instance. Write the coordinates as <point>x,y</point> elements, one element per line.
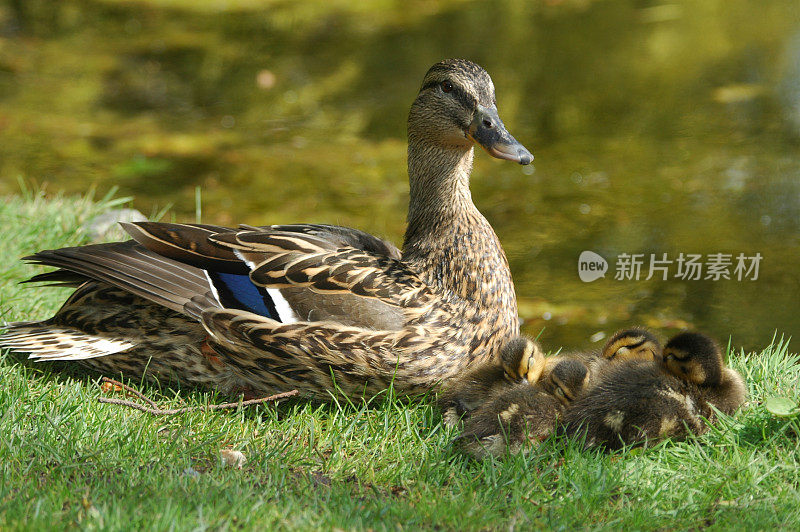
<point>661,131</point>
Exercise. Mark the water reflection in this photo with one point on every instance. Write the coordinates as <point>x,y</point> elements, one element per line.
<point>657,128</point>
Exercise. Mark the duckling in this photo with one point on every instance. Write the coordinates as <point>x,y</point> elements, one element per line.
<point>627,344</point>
<point>698,359</point>
<point>632,344</point>
<point>522,413</point>
<point>566,381</point>
<point>638,402</point>
<point>520,361</point>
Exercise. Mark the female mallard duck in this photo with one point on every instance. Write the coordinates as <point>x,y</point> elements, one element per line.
<point>523,412</point>
<point>640,402</point>
<point>312,307</point>
<point>520,360</point>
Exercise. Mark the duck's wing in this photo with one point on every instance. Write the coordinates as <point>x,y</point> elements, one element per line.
<point>339,236</point>
<point>126,265</point>
<point>191,243</point>
<point>307,273</point>
<point>280,260</point>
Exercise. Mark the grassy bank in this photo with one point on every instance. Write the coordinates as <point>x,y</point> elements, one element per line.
<point>67,460</point>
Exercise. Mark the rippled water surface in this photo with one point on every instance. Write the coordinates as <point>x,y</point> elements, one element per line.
<point>658,128</point>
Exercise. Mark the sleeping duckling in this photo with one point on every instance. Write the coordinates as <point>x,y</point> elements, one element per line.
<point>696,358</point>
<point>639,402</point>
<point>522,413</point>
<point>632,344</point>
<point>627,344</point>
<point>520,361</point>
<point>566,380</point>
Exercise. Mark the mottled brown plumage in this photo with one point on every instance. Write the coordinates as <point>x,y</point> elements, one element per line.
<point>627,344</point>
<point>354,312</point>
<point>698,359</point>
<point>639,402</point>
<point>522,414</point>
<point>519,360</point>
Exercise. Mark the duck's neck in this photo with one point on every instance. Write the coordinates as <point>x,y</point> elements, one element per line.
<point>448,240</point>
<point>439,184</point>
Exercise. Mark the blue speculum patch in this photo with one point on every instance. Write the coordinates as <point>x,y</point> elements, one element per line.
<point>238,291</point>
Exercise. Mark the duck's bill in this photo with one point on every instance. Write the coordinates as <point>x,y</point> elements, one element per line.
<point>488,131</point>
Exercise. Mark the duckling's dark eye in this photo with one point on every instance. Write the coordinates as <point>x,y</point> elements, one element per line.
<point>446,86</point>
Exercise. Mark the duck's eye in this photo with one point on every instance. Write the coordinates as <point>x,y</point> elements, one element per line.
<point>446,86</point>
<point>560,392</point>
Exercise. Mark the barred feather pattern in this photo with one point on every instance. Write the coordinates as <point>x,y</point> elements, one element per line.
<point>451,284</point>
<point>281,261</point>
<point>457,316</point>
<point>444,331</point>
<point>160,344</point>
<point>321,358</point>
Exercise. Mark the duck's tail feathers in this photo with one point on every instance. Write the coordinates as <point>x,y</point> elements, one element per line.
<point>61,277</point>
<point>47,342</point>
<point>126,265</point>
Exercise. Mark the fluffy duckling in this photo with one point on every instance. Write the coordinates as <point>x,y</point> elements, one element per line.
<point>627,344</point>
<point>522,413</point>
<point>566,380</point>
<point>698,359</point>
<point>639,402</point>
<point>520,361</point>
<point>632,344</point>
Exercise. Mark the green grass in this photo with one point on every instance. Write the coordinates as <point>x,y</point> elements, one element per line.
<point>68,461</point>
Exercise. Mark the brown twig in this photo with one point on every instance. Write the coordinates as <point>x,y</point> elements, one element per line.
<point>131,391</point>
<point>155,410</point>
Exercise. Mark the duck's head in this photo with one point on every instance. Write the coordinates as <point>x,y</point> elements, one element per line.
<point>632,344</point>
<point>694,357</point>
<point>456,107</point>
<point>522,360</point>
<point>567,380</point>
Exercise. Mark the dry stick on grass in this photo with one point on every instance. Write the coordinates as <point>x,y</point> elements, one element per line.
<point>155,410</point>
<point>135,393</point>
